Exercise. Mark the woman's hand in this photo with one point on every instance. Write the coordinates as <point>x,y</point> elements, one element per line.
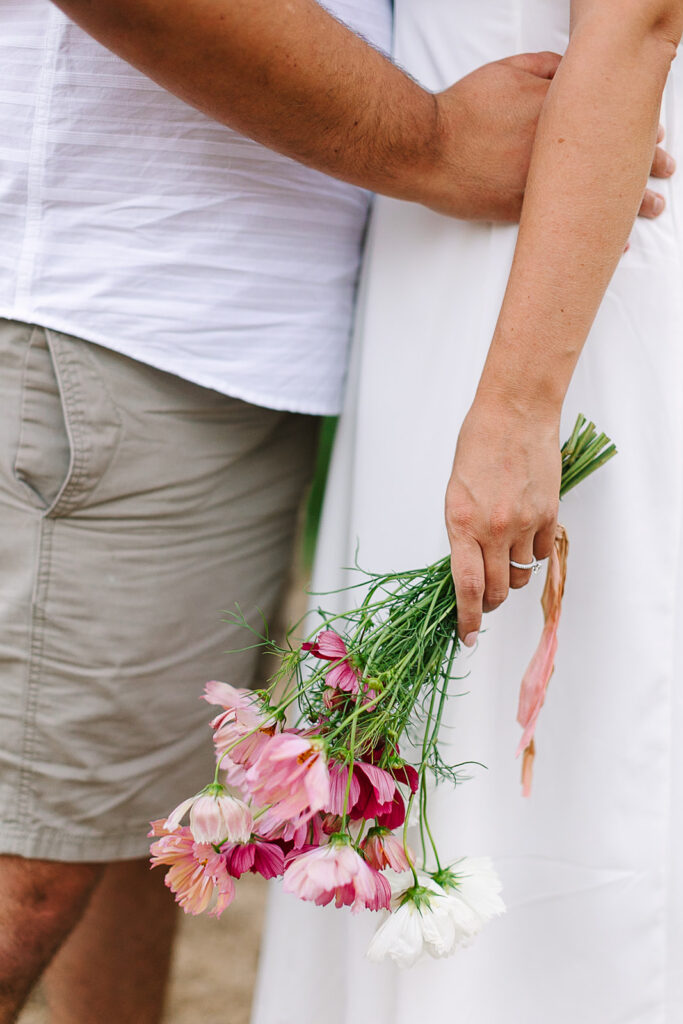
<point>501,503</point>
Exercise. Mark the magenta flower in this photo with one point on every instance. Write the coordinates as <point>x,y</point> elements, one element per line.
<point>373,794</point>
<point>383,849</point>
<point>259,857</point>
<point>197,875</point>
<point>337,872</point>
<point>291,774</point>
<point>378,790</point>
<point>330,647</point>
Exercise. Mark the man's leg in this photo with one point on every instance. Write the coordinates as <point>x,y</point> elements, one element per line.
<point>135,506</point>
<point>115,964</point>
<point>40,903</point>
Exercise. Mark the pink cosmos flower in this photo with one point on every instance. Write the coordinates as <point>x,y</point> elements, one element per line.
<point>242,719</point>
<point>214,817</point>
<point>259,857</point>
<point>291,774</point>
<point>537,675</point>
<point>295,834</point>
<point>383,849</point>
<point>197,875</point>
<point>337,872</point>
<point>330,647</point>
<point>339,777</point>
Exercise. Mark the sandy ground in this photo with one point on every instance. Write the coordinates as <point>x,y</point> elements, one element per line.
<point>214,968</point>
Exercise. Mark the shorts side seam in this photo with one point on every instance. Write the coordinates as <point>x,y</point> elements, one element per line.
<point>37,633</point>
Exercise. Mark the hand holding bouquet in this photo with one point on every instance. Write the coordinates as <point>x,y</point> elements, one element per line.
<point>319,776</point>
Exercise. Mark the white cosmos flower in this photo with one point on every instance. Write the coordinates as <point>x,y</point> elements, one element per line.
<point>412,930</point>
<point>444,914</point>
<point>474,884</point>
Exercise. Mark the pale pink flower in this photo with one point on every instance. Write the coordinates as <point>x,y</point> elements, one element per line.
<point>214,817</point>
<point>383,849</point>
<point>259,857</point>
<point>537,675</point>
<point>291,774</point>
<point>197,875</point>
<point>337,872</point>
<point>172,823</point>
<point>244,704</point>
<point>329,646</point>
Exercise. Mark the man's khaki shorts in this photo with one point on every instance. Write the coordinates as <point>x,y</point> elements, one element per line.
<point>135,508</point>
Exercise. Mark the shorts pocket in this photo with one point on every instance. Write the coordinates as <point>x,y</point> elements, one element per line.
<point>43,454</point>
<point>69,424</point>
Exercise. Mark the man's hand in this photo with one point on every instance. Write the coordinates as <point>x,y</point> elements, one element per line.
<point>489,123</point>
<point>295,79</point>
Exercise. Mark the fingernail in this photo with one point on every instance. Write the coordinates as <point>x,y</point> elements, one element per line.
<point>658,205</point>
<point>669,164</point>
<point>471,638</point>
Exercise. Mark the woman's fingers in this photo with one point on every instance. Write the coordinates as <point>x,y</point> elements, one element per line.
<point>467,565</point>
<point>496,575</point>
<point>523,553</point>
<point>545,538</point>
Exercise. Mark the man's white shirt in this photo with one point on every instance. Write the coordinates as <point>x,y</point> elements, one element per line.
<point>132,220</point>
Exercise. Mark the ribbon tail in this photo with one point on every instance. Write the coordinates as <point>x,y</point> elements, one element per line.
<point>537,676</point>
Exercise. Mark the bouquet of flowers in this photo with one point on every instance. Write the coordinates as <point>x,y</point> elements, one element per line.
<point>319,776</point>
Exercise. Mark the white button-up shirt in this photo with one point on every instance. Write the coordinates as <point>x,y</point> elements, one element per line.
<point>132,220</point>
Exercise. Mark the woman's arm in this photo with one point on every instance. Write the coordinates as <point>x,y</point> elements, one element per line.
<point>502,498</point>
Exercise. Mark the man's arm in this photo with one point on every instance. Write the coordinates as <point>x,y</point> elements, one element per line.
<point>289,75</point>
<point>286,73</point>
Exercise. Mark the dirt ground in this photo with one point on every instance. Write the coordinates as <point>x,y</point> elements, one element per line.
<point>215,965</point>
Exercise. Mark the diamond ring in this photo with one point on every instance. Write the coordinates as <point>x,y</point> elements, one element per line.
<point>535,565</point>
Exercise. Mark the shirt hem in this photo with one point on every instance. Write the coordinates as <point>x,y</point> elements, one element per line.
<point>258,397</point>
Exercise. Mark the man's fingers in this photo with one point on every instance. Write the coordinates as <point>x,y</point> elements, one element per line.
<point>663,164</point>
<point>467,566</point>
<point>544,64</point>
<point>652,205</point>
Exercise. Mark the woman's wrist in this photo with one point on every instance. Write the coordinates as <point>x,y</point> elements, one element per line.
<point>531,402</point>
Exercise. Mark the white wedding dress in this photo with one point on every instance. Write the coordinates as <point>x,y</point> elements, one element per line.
<point>592,863</point>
